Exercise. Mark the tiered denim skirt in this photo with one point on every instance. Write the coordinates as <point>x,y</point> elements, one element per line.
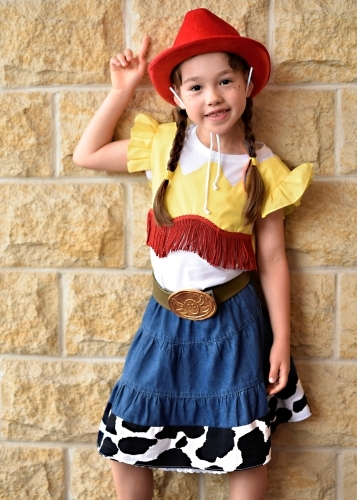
<point>192,396</point>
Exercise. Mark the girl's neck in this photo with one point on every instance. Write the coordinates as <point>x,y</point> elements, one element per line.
<point>231,143</point>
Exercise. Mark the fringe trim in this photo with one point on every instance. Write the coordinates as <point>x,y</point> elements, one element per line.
<point>194,233</point>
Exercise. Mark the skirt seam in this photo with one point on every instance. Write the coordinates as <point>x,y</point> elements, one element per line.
<point>194,397</point>
<point>146,333</point>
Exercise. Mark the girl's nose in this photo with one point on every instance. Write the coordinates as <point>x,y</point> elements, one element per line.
<point>213,97</point>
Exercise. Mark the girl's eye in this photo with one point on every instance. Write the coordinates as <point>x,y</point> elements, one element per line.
<point>196,88</point>
<point>226,81</point>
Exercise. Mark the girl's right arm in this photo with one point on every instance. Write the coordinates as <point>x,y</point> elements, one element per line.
<point>95,149</point>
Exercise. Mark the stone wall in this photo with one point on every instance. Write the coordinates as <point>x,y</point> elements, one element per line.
<point>75,273</point>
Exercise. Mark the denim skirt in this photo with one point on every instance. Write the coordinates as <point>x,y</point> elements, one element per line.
<point>192,395</point>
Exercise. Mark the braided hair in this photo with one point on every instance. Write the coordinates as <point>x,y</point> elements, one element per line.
<point>253,182</point>
<point>162,216</point>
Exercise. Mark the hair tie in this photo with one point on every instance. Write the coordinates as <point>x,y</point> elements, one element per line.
<point>253,161</point>
<point>169,175</point>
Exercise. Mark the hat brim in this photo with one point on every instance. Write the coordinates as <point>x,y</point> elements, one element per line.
<point>252,51</point>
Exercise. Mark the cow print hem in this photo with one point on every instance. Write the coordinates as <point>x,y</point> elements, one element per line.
<point>184,448</point>
<point>201,448</point>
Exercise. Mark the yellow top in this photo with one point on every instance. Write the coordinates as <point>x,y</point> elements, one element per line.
<point>149,149</point>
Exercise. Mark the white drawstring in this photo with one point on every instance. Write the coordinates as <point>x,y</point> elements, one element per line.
<point>205,208</point>
<point>208,174</point>
<point>219,164</point>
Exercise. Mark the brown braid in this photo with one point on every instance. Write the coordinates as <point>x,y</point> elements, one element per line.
<point>253,183</point>
<point>162,216</point>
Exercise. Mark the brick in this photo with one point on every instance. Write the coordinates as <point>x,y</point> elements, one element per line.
<point>104,312</point>
<point>28,313</point>
<point>141,201</point>
<point>349,475</point>
<point>305,49</point>
<point>54,400</point>
<point>76,110</point>
<point>348,163</point>
<point>331,391</point>
<point>50,42</point>
<point>348,333</point>
<point>31,473</point>
<point>301,474</point>
<point>174,485</point>
<point>25,135</point>
<point>322,231</point>
<point>91,477</point>
<point>143,101</point>
<point>216,486</point>
<point>312,314</point>
<point>62,225</point>
<point>298,125</point>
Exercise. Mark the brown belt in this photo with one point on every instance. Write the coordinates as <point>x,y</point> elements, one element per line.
<point>199,304</point>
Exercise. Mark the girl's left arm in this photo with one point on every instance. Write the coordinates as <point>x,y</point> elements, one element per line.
<point>275,281</point>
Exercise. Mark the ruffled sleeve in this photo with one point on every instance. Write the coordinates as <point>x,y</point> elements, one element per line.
<point>284,188</point>
<point>140,145</point>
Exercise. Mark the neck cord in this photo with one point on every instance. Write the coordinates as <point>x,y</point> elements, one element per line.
<point>208,174</point>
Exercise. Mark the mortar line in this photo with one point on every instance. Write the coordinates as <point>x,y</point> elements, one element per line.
<point>339,476</point>
<point>126,178</point>
<point>324,270</point>
<point>201,487</point>
<point>100,87</point>
<point>62,318</point>
<point>337,323</point>
<point>90,360</point>
<point>132,270</point>
<point>127,22</point>
<point>57,445</point>
<point>270,37</point>
<point>78,271</point>
<point>128,210</point>
<point>45,181</point>
<point>1,399</point>
<point>95,359</point>
<point>68,457</point>
<point>338,131</point>
<point>55,131</point>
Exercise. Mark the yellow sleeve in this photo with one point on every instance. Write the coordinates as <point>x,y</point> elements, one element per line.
<point>140,145</point>
<point>284,188</point>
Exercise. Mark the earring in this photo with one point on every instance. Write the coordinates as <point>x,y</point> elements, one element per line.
<point>178,98</point>
<point>248,81</point>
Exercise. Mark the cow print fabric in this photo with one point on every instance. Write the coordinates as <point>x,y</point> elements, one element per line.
<point>201,448</point>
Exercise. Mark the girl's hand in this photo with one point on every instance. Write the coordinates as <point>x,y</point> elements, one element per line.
<point>126,70</point>
<point>279,367</point>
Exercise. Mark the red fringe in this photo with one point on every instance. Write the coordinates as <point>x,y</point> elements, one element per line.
<point>194,233</point>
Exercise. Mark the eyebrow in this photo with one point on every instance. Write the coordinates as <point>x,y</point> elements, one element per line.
<point>197,78</point>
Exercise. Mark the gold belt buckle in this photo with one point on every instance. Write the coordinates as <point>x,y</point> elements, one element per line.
<point>192,304</point>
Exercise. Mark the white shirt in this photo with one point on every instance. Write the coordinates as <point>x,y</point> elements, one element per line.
<point>187,270</point>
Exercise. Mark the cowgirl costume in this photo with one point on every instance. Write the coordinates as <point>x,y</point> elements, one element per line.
<point>192,396</point>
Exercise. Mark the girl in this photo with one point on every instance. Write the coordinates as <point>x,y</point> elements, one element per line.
<point>193,393</point>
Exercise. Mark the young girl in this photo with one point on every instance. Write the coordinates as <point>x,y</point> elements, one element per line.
<point>206,377</point>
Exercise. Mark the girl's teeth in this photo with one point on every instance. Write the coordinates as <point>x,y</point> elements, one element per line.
<point>217,114</point>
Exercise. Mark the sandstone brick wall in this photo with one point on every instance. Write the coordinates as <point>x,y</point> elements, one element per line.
<point>75,273</point>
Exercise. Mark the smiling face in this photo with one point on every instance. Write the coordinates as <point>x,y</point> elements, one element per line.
<point>214,96</point>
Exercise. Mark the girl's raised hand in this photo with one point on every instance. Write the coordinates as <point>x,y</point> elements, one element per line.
<point>126,70</point>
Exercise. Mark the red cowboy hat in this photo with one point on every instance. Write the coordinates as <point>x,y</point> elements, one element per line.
<point>202,32</point>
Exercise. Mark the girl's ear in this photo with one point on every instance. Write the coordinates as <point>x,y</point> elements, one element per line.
<point>249,89</point>
<point>250,84</point>
<point>177,99</point>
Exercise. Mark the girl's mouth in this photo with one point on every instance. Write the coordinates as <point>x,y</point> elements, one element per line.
<point>218,113</point>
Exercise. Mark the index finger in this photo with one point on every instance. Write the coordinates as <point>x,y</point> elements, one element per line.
<point>144,46</point>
